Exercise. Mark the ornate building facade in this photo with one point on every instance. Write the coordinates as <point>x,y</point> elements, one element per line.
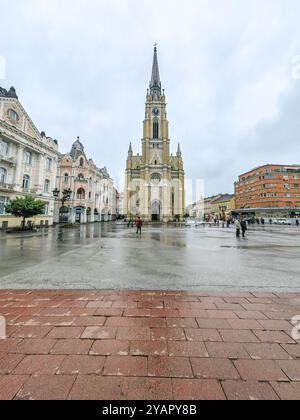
<point>93,195</point>
<point>154,180</point>
<point>28,161</point>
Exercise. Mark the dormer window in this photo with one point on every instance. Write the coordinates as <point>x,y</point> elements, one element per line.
<point>81,162</point>
<point>12,115</point>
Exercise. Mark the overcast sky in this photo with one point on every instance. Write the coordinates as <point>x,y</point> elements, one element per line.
<point>82,67</point>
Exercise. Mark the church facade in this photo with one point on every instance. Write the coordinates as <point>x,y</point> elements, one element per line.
<point>154,180</point>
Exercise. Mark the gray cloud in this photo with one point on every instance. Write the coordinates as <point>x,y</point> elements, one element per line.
<point>82,68</point>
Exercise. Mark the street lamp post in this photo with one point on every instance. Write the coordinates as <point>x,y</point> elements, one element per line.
<point>66,196</point>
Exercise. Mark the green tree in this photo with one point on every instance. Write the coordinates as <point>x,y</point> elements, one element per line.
<point>25,208</point>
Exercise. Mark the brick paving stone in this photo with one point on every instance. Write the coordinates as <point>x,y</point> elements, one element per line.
<point>278,337</point>
<point>214,369</point>
<point>9,345</point>
<point>89,321</point>
<point>149,348</point>
<point>287,391</point>
<point>150,305</point>
<point>219,314</point>
<point>238,336</point>
<point>291,368</point>
<point>260,370</point>
<point>266,351</point>
<point>276,325</point>
<point>10,385</point>
<point>147,389</point>
<point>109,312</point>
<point>80,312</point>
<point>97,388</point>
<point>125,366</point>
<point>135,313</point>
<point>164,313</point>
<point>99,333</point>
<point>38,346</point>
<point>213,324</point>
<point>46,388</point>
<point>292,349</point>
<point>182,323</point>
<point>282,315</point>
<point>133,333</point>
<point>110,348</point>
<point>66,332</point>
<point>169,367</point>
<point>171,334</point>
<point>31,332</point>
<point>39,365</point>
<point>72,346</point>
<point>46,321</point>
<point>251,315</point>
<point>82,365</point>
<point>99,305</point>
<point>55,312</point>
<point>227,351</point>
<point>250,390</point>
<point>125,305</point>
<point>202,335</point>
<point>9,362</point>
<point>229,306</point>
<point>187,349</point>
<point>245,324</point>
<point>197,390</point>
<point>193,313</point>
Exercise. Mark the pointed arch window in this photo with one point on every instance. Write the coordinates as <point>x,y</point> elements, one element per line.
<point>156,130</point>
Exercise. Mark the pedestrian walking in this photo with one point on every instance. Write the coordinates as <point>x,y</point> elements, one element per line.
<point>297,223</point>
<point>244,227</point>
<point>139,225</point>
<point>238,228</point>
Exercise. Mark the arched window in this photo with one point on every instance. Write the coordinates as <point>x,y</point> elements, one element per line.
<point>81,194</point>
<point>26,182</point>
<point>156,130</point>
<point>81,162</point>
<point>3,174</point>
<point>46,186</point>
<point>12,115</point>
<point>66,178</point>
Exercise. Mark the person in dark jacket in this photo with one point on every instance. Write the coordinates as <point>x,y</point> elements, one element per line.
<point>244,227</point>
<point>139,225</point>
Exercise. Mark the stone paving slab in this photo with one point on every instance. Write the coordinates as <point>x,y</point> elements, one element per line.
<point>149,345</point>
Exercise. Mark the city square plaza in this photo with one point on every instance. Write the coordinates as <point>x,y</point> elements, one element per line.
<point>97,312</point>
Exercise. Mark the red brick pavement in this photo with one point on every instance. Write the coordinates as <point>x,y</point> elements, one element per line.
<point>149,345</point>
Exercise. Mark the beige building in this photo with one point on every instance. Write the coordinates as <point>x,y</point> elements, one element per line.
<point>93,195</point>
<point>28,161</point>
<point>223,206</point>
<point>154,182</point>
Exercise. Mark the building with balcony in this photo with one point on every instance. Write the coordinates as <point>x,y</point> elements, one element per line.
<point>93,195</point>
<point>28,161</point>
<point>269,191</point>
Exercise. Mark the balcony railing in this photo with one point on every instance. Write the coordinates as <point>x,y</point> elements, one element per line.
<point>5,186</point>
<point>8,159</point>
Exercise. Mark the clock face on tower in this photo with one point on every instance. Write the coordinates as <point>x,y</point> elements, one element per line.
<point>156,112</point>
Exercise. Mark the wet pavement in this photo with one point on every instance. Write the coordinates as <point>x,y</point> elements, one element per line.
<point>107,257</point>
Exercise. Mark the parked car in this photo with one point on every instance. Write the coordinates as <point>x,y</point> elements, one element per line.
<point>282,222</point>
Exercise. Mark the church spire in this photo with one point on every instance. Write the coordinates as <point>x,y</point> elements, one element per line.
<point>155,84</point>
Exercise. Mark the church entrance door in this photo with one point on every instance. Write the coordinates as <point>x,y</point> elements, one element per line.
<point>155,211</point>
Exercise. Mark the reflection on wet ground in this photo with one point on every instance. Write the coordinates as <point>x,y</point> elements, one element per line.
<point>110,256</point>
